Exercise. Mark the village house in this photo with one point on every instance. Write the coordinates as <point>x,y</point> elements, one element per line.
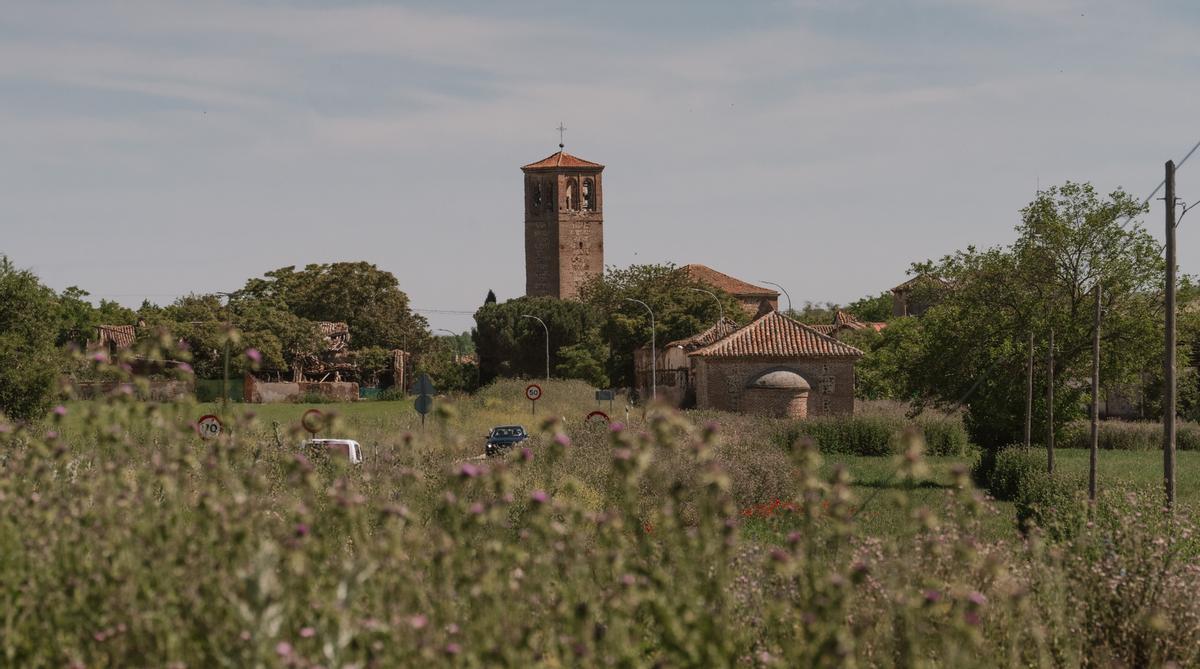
<point>748,295</point>
<point>774,366</point>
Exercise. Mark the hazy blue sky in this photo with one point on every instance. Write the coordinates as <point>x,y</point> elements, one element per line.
<point>151,149</point>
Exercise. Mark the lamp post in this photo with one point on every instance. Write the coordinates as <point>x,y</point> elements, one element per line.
<point>714,296</point>
<point>225,378</point>
<point>785,293</point>
<point>452,334</point>
<point>547,341</point>
<point>653,353</point>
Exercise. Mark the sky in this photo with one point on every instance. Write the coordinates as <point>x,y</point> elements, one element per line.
<point>154,149</point>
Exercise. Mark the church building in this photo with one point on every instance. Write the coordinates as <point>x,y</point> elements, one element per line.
<point>564,225</point>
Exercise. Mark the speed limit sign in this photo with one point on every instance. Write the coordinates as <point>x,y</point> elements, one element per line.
<point>208,427</point>
<point>533,392</point>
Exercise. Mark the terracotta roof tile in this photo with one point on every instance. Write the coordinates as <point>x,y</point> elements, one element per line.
<point>120,336</point>
<point>777,336</point>
<point>825,329</point>
<point>736,287</point>
<point>715,333</point>
<point>560,159</point>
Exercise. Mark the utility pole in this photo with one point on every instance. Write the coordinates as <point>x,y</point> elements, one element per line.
<point>1169,354</point>
<point>1029,396</point>
<point>1095,397</point>
<point>1050,405</point>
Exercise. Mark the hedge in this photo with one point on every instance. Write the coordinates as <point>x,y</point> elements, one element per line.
<point>1129,436</point>
<point>876,435</point>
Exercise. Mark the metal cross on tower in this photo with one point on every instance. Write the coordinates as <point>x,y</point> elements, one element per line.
<point>561,129</point>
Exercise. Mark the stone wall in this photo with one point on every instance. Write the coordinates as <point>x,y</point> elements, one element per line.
<point>721,384</point>
<point>155,390</point>
<point>775,402</point>
<point>270,392</point>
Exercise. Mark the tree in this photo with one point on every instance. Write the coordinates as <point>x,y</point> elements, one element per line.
<point>78,318</point>
<point>973,343</point>
<point>359,294</point>
<point>876,309</point>
<point>679,311</point>
<point>509,345</point>
<point>29,360</point>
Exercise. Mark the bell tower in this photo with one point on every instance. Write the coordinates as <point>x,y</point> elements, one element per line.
<point>564,225</point>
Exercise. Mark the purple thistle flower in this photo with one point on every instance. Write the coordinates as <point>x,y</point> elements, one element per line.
<point>307,632</point>
<point>526,454</point>
<point>977,598</point>
<point>616,426</point>
<point>453,648</point>
<point>185,368</point>
<point>301,530</point>
<point>254,355</point>
<point>469,471</point>
<point>562,440</point>
<point>100,356</point>
<point>933,596</point>
<point>60,410</point>
<point>539,497</point>
<point>476,509</point>
<point>283,648</point>
<point>418,621</point>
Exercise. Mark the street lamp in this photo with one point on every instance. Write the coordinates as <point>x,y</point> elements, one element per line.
<point>225,379</point>
<point>714,296</point>
<point>547,341</point>
<point>653,355</point>
<point>454,335</point>
<point>785,293</point>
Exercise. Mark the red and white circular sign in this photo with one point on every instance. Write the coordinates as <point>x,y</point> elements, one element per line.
<point>533,392</point>
<point>208,427</point>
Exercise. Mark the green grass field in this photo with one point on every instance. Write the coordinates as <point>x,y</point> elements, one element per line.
<point>458,426</point>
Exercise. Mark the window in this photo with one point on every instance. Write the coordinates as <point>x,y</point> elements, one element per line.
<point>569,200</point>
<point>589,201</point>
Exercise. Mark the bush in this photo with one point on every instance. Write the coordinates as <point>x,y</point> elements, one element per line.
<point>1055,503</point>
<point>1002,470</point>
<point>875,435</point>
<point>1129,436</point>
<point>29,361</point>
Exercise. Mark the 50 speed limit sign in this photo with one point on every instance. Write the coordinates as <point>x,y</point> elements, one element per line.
<point>208,427</point>
<point>533,392</point>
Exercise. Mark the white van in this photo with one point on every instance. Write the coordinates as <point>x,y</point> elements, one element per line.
<point>347,448</point>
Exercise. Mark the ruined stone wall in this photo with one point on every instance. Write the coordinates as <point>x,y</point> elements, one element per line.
<point>721,384</point>
<point>264,392</point>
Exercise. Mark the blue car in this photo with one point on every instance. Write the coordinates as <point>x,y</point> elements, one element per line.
<point>503,438</point>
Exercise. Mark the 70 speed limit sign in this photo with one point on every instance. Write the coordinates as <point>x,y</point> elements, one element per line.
<point>208,427</point>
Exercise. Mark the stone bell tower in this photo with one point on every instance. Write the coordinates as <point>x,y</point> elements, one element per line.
<point>564,225</point>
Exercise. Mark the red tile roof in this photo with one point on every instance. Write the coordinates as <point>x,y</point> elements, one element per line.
<point>825,329</point>
<point>736,287</point>
<point>120,336</point>
<point>561,159</point>
<point>777,336</point>
<point>715,333</point>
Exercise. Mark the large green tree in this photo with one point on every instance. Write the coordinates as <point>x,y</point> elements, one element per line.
<point>359,294</point>
<point>29,359</point>
<point>971,347</point>
<point>78,317</point>
<point>509,345</point>
<point>679,311</point>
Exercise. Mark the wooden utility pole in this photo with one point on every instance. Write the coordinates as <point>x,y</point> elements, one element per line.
<point>1029,396</point>
<point>1169,354</point>
<point>1050,404</point>
<point>1095,398</point>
